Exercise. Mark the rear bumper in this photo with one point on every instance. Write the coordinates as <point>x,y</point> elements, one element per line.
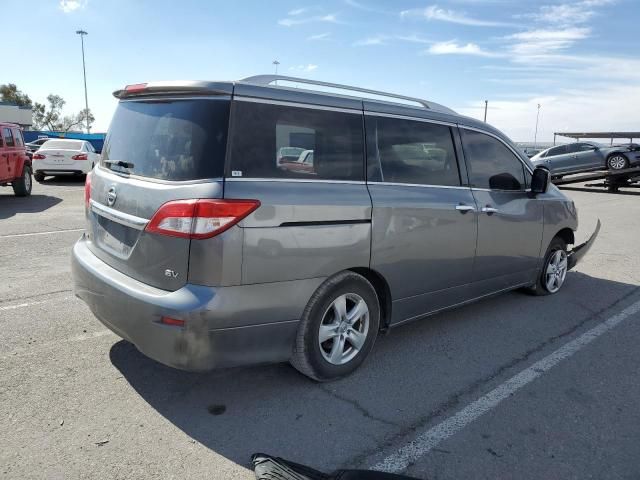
<point>576,254</point>
<point>221,323</point>
<point>76,168</point>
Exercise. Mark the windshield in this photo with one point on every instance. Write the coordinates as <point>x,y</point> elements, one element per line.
<point>168,139</point>
<point>61,145</point>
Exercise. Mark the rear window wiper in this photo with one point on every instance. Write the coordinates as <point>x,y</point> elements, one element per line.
<point>119,163</point>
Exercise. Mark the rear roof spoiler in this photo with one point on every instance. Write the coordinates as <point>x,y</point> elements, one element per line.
<point>177,87</point>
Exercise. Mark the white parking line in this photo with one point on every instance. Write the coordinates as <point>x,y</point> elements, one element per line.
<point>29,304</point>
<point>426,441</point>
<point>14,235</point>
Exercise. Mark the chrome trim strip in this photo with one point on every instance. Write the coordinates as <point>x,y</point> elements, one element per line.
<point>479,130</point>
<point>119,217</point>
<point>297,104</point>
<point>476,189</point>
<point>407,117</point>
<point>397,184</point>
<point>293,180</point>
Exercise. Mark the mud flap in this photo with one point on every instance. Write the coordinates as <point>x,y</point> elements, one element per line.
<point>267,467</point>
<point>580,251</point>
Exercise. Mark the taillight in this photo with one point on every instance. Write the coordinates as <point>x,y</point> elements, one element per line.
<point>136,87</point>
<point>39,156</point>
<point>80,156</point>
<point>87,190</point>
<point>199,218</point>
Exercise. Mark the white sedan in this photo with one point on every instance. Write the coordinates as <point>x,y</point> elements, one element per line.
<point>64,157</point>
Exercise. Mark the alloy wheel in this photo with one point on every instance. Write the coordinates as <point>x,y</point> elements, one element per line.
<point>618,162</point>
<point>344,329</point>
<point>556,271</point>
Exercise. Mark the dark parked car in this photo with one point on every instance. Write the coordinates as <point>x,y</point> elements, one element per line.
<point>586,156</point>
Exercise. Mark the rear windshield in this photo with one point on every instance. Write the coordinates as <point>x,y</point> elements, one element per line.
<point>61,145</point>
<point>168,139</point>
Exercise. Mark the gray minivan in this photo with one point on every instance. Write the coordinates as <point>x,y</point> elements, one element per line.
<point>205,251</point>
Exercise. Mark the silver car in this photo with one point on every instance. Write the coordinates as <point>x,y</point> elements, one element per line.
<point>585,156</point>
<point>203,253</point>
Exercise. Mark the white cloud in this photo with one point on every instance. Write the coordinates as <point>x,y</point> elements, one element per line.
<point>297,11</point>
<point>453,48</point>
<point>310,67</point>
<point>319,36</point>
<point>433,12</point>
<point>570,13</point>
<point>381,39</point>
<point>606,108</point>
<point>371,41</point>
<point>543,42</point>
<point>364,7</point>
<point>68,6</point>
<point>298,20</point>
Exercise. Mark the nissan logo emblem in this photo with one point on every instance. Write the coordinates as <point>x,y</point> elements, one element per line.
<point>111,196</point>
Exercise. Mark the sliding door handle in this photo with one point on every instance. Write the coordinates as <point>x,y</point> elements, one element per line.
<point>464,208</point>
<point>489,210</point>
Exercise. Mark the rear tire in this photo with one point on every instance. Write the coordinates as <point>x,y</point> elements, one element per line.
<point>22,186</point>
<point>617,161</point>
<point>345,312</point>
<point>38,177</point>
<point>554,269</point>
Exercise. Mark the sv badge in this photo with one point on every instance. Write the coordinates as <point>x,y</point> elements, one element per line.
<point>170,273</point>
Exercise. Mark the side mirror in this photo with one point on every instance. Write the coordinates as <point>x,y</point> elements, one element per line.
<point>540,180</point>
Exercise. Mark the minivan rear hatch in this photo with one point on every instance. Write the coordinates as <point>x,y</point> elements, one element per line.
<point>158,149</point>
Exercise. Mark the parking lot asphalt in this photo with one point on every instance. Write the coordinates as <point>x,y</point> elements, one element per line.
<point>78,402</point>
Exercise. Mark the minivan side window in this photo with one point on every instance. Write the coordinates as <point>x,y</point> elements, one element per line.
<point>8,137</point>
<point>410,151</point>
<point>490,163</point>
<point>277,141</point>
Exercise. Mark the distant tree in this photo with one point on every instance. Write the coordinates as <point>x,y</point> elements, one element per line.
<point>9,93</point>
<point>50,117</point>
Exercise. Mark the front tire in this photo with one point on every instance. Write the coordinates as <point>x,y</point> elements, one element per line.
<point>554,270</point>
<point>338,328</point>
<point>22,186</point>
<point>617,161</point>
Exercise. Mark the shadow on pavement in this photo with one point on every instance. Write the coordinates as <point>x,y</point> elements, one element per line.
<point>11,205</point>
<point>418,374</point>
<point>68,181</point>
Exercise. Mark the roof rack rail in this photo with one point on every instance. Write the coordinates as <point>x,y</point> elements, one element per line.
<point>269,79</point>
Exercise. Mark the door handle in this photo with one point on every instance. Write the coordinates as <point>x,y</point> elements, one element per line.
<point>464,208</point>
<point>489,210</point>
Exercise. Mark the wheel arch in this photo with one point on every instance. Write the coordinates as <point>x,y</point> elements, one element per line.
<point>567,235</point>
<point>383,291</point>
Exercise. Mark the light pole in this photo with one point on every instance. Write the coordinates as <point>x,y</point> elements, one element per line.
<point>535,138</point>
<point>82,33</point>
<point>486,105</point>
<point>276,63</point>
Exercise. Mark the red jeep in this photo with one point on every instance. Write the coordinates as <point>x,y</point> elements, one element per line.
<point>15,164</point>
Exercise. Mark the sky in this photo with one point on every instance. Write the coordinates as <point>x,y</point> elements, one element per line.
<point>578,59</point>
